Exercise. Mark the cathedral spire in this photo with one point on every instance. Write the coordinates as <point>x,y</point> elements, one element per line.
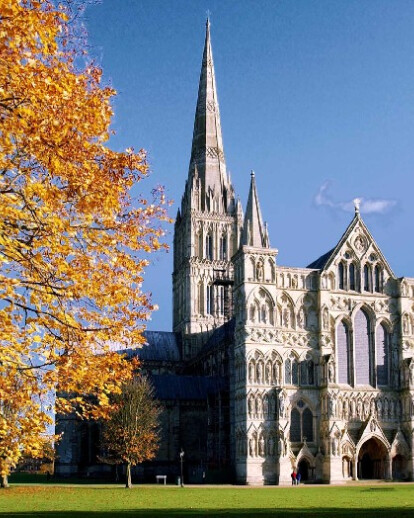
<point>207,147</point>
<point>254,232</point>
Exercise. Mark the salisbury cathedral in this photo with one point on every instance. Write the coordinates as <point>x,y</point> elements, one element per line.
<point>270,368</point>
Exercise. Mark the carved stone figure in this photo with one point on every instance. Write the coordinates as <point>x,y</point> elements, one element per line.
<point>331,372</point>
<point>261,446</point>
<point>252,447</point>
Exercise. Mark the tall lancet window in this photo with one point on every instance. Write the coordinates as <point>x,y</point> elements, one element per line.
<point>352,284</point>
<point>378,278</point>
<point>220,300</point>
<point>367,278</point>
<point>223,247</point>
<point>362,348</point>
<point>209,247</point>
<point>382,342</point>
<point>341,276</point>
<point>344,353</point>
<point>210,299</point>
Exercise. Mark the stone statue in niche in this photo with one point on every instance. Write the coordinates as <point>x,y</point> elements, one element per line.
<point>259,405</point>
<point>301,318</point>
<point>331,372</point>
<point>251,447</point>
<point>261,446</point>
<point>265,405</point>
<point>281,405</point>
<point>259,373</point>
<point>411,373</point>
<point>268,373</point>
<point>325,319</point>
<point>259,271</point>
<point>251,372</point>
<point>271,446</point>
<point>250,405</point>
<point>275,373</point>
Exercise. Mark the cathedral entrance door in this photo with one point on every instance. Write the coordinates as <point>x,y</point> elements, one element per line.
<point>303,468</point>
<point>372,460</point>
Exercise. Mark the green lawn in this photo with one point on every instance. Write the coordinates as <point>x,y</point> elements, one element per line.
<point>58,501</point>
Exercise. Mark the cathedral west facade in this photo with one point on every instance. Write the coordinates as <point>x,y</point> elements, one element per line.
<point>271,368</point>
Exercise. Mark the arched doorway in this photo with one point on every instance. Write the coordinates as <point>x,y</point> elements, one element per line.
<point>372,460</point>
<point>347,467</point>
<point>304,470</point>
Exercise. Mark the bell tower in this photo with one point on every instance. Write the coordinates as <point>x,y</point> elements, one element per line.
<point>207,228</point>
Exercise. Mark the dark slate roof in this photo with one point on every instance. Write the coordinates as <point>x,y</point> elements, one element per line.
<point>321,261</point>
<point>194,388</point>
<point>220,335</point>
<point>160,346</point>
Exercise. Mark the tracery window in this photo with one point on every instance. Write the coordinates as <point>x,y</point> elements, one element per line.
<point>223,247</point>
<point>367,277</point>
<point>209,247</point>
<point>382,342</point>
<point>292,370</point>
<point>352,283</point>
<point>362,336</point>
<point>301,422</point>
<point>210,299</point>
<point>341,276</point>
<point>344,353</point>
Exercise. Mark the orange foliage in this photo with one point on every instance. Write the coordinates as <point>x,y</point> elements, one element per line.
<point>72,240</point>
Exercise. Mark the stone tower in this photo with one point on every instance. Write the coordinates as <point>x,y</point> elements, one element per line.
<point>208,224</point>
<point>257,370</point>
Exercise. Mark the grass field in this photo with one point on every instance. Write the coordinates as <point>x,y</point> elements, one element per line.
<point>58,501</point>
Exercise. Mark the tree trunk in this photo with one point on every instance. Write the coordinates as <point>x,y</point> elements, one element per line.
<point>4,481</point>
<point>128,484</point>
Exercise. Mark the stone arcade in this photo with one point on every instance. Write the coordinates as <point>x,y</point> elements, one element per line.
<point>270,367</point>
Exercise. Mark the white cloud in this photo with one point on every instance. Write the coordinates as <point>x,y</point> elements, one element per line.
<point>366,205</point>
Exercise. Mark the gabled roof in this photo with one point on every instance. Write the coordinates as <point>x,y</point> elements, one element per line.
<point>325,260</point>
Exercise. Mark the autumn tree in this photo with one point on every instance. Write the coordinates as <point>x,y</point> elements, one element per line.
<point>73,241</point>
<point>130,435</point>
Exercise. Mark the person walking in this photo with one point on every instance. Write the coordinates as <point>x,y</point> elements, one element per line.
<point>298,477</point>
<point>293,476</point>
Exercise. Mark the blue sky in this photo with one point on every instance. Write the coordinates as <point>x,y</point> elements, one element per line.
<point>316,96</point>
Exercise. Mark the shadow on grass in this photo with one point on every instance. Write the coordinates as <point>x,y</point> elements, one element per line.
<point>223,513</point>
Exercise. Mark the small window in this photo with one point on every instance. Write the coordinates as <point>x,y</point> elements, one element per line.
<point>352,277</point>
<point>341,283</point>
<point>378,278</point>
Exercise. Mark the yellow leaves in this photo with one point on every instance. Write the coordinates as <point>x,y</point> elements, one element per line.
<point>72,239</point>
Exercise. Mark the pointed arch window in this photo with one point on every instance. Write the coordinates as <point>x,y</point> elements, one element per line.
<point>301,423</point>
<point>382,342</point>
<point>341,276</point>
<point>367,278</point>
<point>378,274</point>
<point>209,247</point>
<point>291,371</point>
<point>223,247</point>
<point>210,299</point>
<point>220,301</point>
<point>362,334</point>
<point>352,283</point>
<point>344,353</point>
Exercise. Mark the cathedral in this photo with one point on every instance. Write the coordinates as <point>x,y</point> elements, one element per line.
<point>270,368</point>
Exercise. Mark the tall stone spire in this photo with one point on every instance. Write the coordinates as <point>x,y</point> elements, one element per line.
<point>207,148</point>
<point>254,232</point>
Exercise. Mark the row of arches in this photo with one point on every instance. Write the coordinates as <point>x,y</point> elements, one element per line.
<point>267,370</point>
<point>369,279</point>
